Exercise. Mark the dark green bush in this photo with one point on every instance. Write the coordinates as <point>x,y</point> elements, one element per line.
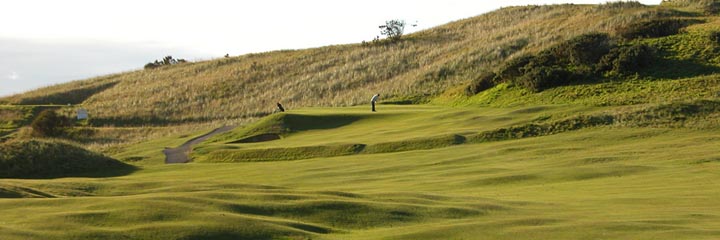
<point>512,68</point>
<point>626,59</point>
<point>151,66</point>
<point>166,61</point>
<point>481,83</point>
<point>586,49</point>
<point>538,78</point>
<point>49,124</point>
<point>654,28</point>
<point>581,58</point>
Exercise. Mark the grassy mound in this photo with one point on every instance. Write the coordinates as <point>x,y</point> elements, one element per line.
<point>51,159</point>
<point>699,114</point>
<point>279,154</point>
<point>275,126</point>
<point>296,153</point>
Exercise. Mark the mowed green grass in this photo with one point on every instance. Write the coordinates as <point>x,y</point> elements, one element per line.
<point>597,183</point>
<point>392,123</point>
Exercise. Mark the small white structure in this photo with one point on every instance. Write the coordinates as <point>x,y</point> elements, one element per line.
<point>82,114</point>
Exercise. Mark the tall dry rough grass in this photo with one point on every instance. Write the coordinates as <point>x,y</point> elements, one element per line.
<point>422,64</point>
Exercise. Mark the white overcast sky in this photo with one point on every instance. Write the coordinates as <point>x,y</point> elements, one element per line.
<point>44,42</point>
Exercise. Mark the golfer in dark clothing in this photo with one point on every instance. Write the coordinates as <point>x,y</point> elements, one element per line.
<point>280,107</point>
<point>373,100</point>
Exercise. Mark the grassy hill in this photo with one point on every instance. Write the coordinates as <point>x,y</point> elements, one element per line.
<point>434,65</point>
<point>423,64</point>
<point>53,159</point>
<point>521,135</point>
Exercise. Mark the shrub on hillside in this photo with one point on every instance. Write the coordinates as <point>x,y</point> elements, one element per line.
<point>654,28</point>
<point>580,58</point>
<point>539,78</point>
<point>49,124</point>
<point>151,65</point>
<point>166,61</point>
<point>626,59</point>
<point>49,159</point>
<point>583,50</point>
<point>393,29</point>
<point>555,66</point>
<point>511,69</point>
<point>481,83</point>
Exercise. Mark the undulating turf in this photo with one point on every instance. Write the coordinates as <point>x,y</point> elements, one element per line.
<point>605,182</point>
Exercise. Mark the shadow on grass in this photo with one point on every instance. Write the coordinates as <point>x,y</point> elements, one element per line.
<point>75,96</point>
<point>678,69</point>
<point>115,168</point>
<point>259,138</point>
<point>297,122</point>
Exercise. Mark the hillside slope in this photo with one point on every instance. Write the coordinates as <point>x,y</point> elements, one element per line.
<point>422,64</point>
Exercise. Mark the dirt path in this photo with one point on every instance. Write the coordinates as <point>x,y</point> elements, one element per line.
<point>180,154</point>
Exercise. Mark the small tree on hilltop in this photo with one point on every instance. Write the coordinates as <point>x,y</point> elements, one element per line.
<point>166,61</point>
<point>393,29</point>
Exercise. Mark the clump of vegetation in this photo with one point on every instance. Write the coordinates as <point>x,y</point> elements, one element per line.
<point>393,29</point>
<point>538,78</point>
<point>654,28</point>
<point>166,61</point>
<point>481,83</point>
<point>562,64</point>
<point>588,57</point>
<point>583,50</point>
<point>50,159</point>
<point>512,68</point>
<point>49,124</point>
<point>626,59</point>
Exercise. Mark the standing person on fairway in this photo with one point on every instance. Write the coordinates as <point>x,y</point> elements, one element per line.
<point>373,100</point>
